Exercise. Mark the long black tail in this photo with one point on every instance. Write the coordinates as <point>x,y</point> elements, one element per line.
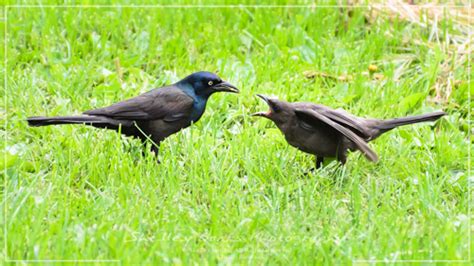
<point>386,125</point>
<point>38,121</point>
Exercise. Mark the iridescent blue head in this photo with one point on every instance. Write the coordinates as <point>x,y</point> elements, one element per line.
<point>206,83</point>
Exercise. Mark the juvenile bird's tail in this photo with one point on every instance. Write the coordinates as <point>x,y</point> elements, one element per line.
<point>389,124</point>
<point>38,121</point>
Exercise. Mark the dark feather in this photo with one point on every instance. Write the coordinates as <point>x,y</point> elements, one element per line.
<point>155,104</point>
<point>312,115</point>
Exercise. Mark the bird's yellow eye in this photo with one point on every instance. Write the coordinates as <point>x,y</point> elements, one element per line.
<point>210,83</point>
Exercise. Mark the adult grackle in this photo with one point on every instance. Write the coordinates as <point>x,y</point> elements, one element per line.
<point>156,114</point>
<point>325,132</point>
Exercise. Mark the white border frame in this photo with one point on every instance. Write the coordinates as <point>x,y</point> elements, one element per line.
<point>354,261</point>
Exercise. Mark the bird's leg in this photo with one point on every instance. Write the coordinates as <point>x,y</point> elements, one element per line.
<point>342,156</point>
<point>341,152</point>
<point>155,149</point>
<point>319,162</point>
<point>342,159</point>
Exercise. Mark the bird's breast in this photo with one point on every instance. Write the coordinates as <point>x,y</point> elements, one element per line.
<point>316,141</point>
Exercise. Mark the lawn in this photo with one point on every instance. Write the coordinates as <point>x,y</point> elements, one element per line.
<point>229,189</point>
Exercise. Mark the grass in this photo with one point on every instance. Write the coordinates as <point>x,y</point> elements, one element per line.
<point>229,189</point>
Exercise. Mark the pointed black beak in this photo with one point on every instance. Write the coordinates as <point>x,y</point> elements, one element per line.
<point>263,97</point>
<point>226,86</point>
<point>264,114</point>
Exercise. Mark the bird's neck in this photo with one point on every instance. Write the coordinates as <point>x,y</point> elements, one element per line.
<point>284,124</point>
<point>199,104</point>
<point>189,90</point>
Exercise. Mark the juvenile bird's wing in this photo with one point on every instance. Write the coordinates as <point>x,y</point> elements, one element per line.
<point>168,103</point>
<point>342,117</point>
<point>312,116</point>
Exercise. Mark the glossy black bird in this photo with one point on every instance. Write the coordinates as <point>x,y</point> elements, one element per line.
<point>325,132</point>
<point>156,114</point>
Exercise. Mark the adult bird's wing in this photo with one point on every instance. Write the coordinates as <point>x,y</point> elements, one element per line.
<point>309,116</point>
<point>341,117</point>
<point>168,103</point>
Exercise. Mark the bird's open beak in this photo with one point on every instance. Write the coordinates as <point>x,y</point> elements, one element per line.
<point>226,86</point>
<point>263,97</point>
<point>264,114</point>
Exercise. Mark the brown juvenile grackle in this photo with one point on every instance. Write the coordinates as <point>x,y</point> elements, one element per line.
<point>325,132</point>
<point>156,114</point>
